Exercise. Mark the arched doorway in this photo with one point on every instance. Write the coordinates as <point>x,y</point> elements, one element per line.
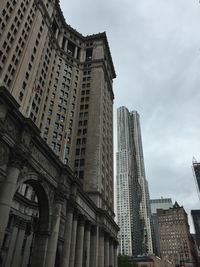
<point>27,227</point>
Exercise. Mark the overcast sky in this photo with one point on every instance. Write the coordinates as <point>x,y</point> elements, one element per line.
<point>155,45</point>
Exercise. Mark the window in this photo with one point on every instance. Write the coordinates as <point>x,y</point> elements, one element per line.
<point>46,130</point>
<point>81,174</point>
<point>82,151</point>
<point>60,137</point>
<point>54,134</point>
<point>76,163</point>
<point>53,145</point>
<point>82,162</point>
<point>78,141</point>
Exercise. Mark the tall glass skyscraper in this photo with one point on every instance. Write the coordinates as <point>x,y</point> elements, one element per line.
<point>133,208</point>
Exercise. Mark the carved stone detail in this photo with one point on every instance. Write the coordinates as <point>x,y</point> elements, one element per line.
<point>16,159</point>
<point>26,138</point>
<point>60,193</point>
<point>11,128</point>
<point>39,157</point>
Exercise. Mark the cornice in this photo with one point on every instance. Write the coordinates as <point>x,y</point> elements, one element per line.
<point>101,35</point>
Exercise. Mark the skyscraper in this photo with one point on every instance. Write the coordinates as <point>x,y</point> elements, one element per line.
<point>63,82</point>
<point>133,207</point>
<point>56,205</point>
<point>196,220</point>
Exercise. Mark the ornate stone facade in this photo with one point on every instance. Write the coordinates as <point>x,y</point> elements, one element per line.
<point>46,219</point>
<point>63,81</point>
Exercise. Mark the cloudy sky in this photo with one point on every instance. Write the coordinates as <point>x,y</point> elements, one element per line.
<point>155,45</point>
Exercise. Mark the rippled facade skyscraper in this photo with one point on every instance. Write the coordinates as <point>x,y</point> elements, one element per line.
<point>133,208</point>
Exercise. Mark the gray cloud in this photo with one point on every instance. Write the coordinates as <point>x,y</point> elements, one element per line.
<point>155,45</point>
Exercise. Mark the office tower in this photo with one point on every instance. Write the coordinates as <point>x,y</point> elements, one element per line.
<point>63,82</point>
<point>58,207</point>
<point>196,220</point>
<point>133,208</point>
<point>160,203</point>
<point>176,243</point>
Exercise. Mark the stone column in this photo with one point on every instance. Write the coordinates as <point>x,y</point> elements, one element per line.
<point>76,52</point>
<point>101,248</point>
<point>115,254</point>
<point>66,44</point>
<point>73,241</point>
<point>7,191</point>
<point>16,257</point>
<point>26,255</point>
<point>80,242</point>
<point>38,256</point>
<point>106,250</point>
<point>67,236</point>
<point>55,225</point>
<point>94,246</point>
<point>111,249</point>
<point>12,245</point>
<point>87,244</point>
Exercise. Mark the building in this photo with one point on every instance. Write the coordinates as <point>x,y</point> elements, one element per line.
<point>160,203</point>
<point>133,208</point>
<point>196,172</point>
<point>176,242</point>
<point>196,220</point>
<point>62,81</point>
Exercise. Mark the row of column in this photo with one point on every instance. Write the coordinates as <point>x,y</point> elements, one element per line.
<point>87,245</point>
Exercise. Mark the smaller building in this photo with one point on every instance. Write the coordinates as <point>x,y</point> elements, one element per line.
<point>176,242</point>
<point>196,220</point>
<point>159,203</point>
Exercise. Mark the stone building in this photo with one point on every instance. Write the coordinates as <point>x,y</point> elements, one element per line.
<point>46,219</point>
<point>155,204</point>
<point>176,243</point>
<point>62,82</point>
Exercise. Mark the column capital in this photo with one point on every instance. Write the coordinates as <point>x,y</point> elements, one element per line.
<point>60,193</point>
<point>107,236</point>
<point>101,231</point>
<point>19,222</point>
<point>93,229</point>
<point>88,225</point>
<point>76,214</point>
<point>81,220</point>
<point>71,205</point>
